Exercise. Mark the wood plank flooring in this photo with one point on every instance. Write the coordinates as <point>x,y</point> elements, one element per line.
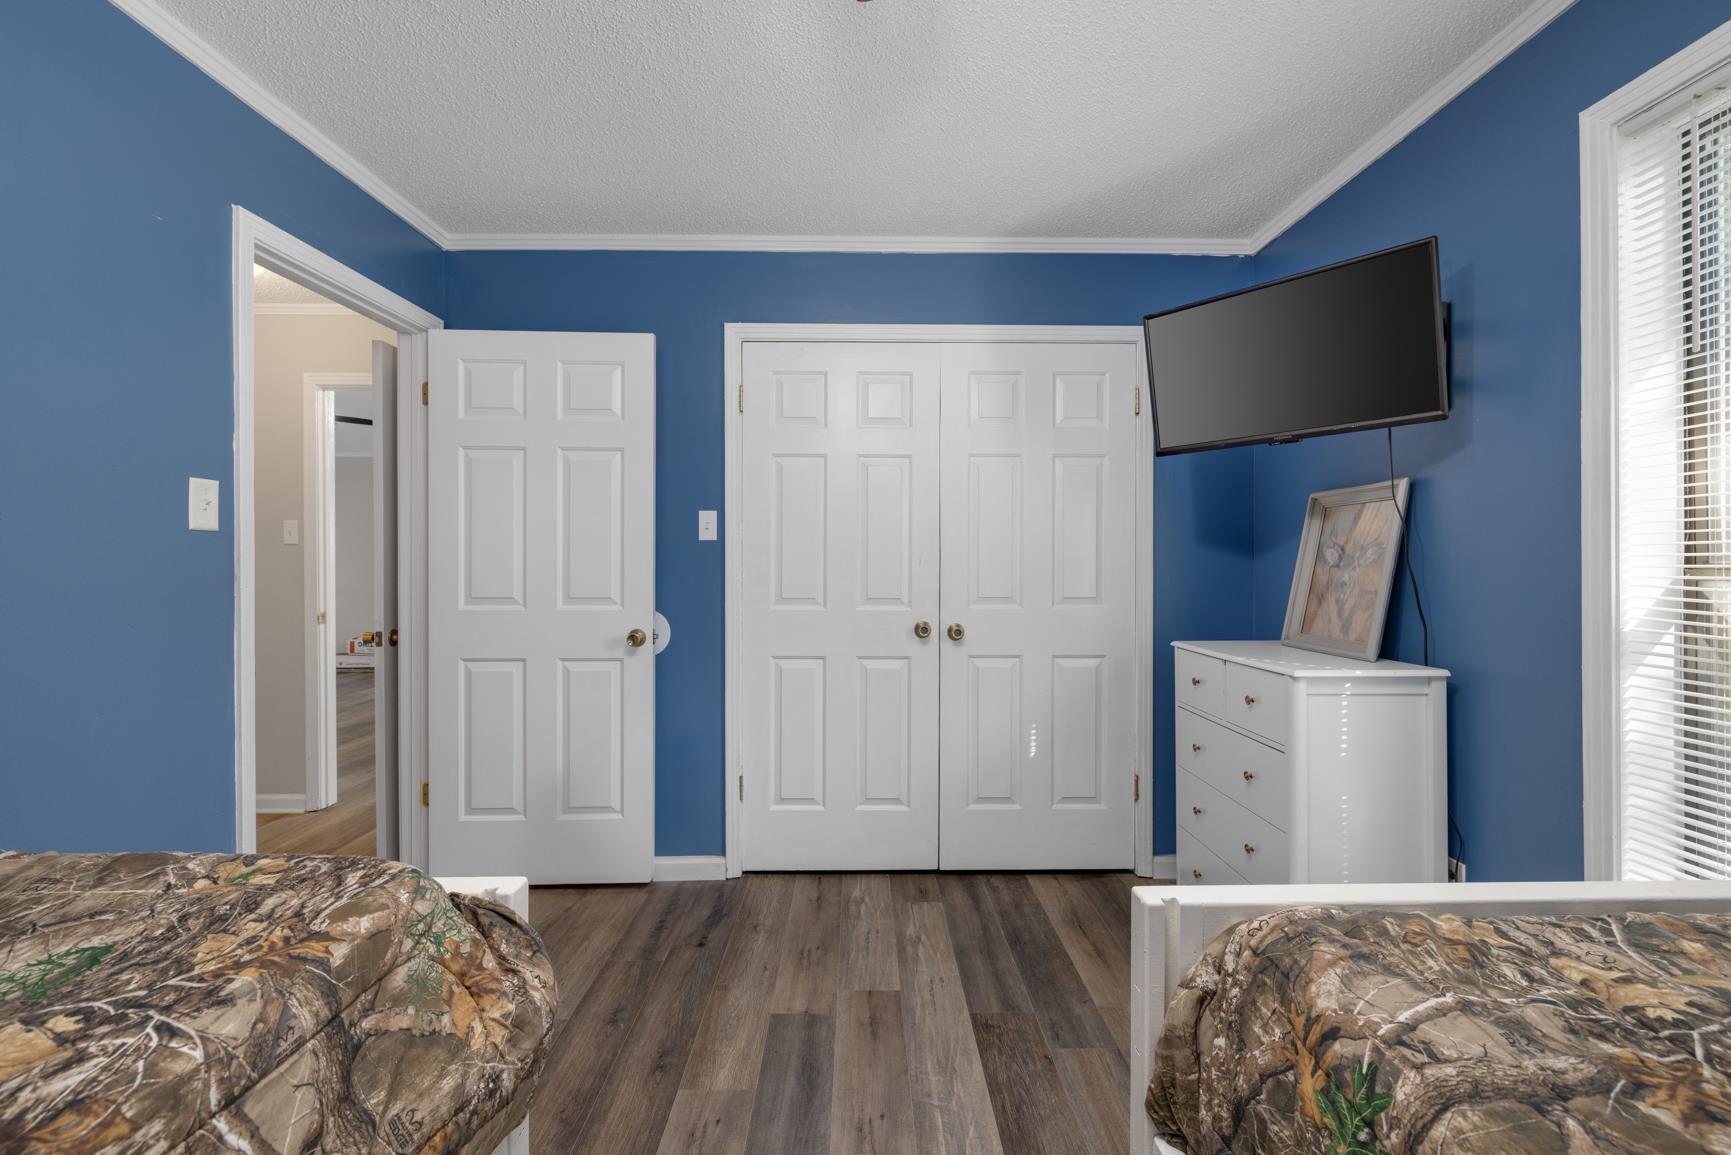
<point>347,826</point>
<point>866,1014</point>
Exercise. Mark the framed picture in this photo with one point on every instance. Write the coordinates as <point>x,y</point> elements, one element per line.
<point>1345,572</point>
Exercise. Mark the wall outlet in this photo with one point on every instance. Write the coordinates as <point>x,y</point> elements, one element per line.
<point>201,504</point>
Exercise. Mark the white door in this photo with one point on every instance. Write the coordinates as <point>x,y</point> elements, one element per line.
<point>1039,650</point>
<point>837,694</point>
<point>541,593</point>
<point>385,387</point>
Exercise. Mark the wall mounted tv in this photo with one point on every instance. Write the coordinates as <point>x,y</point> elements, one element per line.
<point>1358,345</point>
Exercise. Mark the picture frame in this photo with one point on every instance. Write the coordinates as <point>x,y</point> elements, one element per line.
<point>1344,575</point>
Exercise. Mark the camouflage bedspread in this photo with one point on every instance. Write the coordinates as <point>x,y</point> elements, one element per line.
<point>1510,1036</point>
<point>209,1003</point>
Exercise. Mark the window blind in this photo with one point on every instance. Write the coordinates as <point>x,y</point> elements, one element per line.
<point>1674,494</point>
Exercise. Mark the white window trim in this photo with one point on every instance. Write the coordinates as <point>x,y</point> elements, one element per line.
<point>1601,737</point>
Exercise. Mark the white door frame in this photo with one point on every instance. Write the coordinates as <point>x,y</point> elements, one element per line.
<point>318,583</point>
<point>258,242</point>
<point>734,337</point>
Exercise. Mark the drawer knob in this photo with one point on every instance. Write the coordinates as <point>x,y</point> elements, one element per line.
<point>1250,699</point>
<point>1195,874</point>
<point>1196,810</point>
<point>1195,681</point>
<point>1249,777</point>
<point>1196,747</point>
<point>1249,849</point>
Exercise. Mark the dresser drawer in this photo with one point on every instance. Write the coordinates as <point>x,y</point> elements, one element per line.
<point>1256,700</point>
<point>1197,865</point>
<point>1243,769</point>
<point>1201,680</point>
<point>1240,839</point>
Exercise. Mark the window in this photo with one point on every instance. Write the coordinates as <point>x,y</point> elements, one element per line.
<point>1673,491</point>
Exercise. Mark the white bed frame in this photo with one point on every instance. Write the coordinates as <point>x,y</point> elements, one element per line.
<point>1170,926</point>
<point>511,892</point>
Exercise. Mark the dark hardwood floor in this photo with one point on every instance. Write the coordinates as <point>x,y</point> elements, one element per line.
<point>346,827</point>
<point>784,1014</point>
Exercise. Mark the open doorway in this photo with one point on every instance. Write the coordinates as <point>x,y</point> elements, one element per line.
<point>317,627</point>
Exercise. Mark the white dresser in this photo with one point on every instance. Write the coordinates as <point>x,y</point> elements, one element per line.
<point>1300,767</point>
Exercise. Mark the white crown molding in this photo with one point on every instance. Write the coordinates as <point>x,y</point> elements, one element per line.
<point>300,309</point>
<point>222,70</point>
<point>219,68</point>
<point>1494,51</point>
<point>745,243</point>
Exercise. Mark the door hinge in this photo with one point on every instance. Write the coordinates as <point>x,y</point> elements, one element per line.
<point>423,794</point>
<point>321,617</point>
<point>423,393</point>
<point>1138,400</point>
<point>742,396</point>
<point>742,788</point>
<point>1136,788</point>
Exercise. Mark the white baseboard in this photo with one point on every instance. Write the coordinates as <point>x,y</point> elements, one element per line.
<point>1165,866</point>
<point>690,868</point>
<point>282,804</point>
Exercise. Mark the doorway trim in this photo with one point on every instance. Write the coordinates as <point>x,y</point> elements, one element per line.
<point>318,581</point>
<point>258,242</point>
<point>734,337</point>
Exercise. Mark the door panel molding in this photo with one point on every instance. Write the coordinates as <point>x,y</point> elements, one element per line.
<point>1076,404</point>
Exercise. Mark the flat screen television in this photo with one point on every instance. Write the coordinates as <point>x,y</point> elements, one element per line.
<point>1357,345</point>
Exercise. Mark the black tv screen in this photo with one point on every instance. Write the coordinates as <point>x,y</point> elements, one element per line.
<point>1358,345</point>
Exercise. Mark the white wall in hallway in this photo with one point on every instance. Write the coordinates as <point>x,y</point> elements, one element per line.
<point>286,348</point>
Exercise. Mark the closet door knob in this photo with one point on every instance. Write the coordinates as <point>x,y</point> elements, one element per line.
<point>1196,810</point>
<point>1196,747</point>
<point>1249,849</point>
<point>1195,874</point>
<point>922,630</point>
<point>956,632</point>
<point>1195,681</point>
<point>1249,777</point>
<point>636,638</point>
<point>1249,699</point>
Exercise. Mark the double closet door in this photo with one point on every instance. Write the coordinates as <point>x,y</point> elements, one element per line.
<point>938,660</point>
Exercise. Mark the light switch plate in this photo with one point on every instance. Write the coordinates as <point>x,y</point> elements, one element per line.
<point>706,525</point>
<point>201,504</point>
<point>291,532</point>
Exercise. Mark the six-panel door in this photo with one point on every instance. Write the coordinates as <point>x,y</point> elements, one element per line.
<point>987,489</point>
<point>838,693</point>
<point>541,561</point>
<point>1039,683</point>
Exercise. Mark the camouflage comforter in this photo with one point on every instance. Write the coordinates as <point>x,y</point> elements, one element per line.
<point>1328,1031</point>
<point>207,1003</point>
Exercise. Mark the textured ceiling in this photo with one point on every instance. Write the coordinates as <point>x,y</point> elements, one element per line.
<point>270,288</point>
<point>948,118</point>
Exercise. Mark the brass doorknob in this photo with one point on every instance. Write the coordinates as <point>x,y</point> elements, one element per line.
<point>368,637</point>
<point>922,630</point>
<point>393,637</point>
<point>636,638</point>
<point>956,632</point>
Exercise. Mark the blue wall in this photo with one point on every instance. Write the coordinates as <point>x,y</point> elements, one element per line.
<point>1202,543</point>
<point>1496,497</point>
<point>118,163</point>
